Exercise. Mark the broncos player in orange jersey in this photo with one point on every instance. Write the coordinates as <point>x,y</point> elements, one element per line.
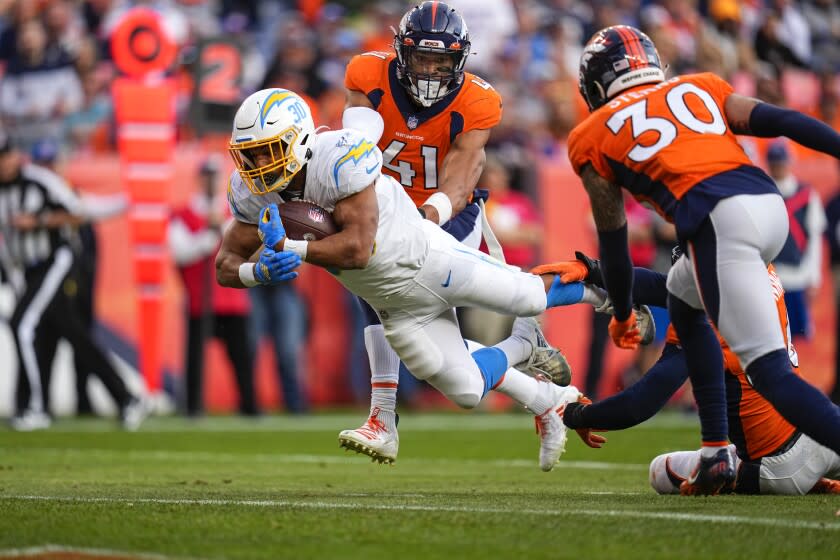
<point>772,456</point>
<point>671,143</point>
<point>435,120</point>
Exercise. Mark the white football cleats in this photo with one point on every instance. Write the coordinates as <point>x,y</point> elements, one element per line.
<point>374,439</point>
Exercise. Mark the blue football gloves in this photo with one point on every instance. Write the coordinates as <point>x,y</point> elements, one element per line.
<point>271,230</point>
<point>274,267</point>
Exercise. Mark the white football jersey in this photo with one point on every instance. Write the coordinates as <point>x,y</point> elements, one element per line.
<point>343,163</point>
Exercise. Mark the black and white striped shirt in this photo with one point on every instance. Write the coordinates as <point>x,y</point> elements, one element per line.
<point>38,191</point>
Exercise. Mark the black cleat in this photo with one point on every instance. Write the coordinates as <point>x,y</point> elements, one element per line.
<point>711,476</point>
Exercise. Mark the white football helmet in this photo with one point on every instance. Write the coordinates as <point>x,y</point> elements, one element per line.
<point>271,138</point>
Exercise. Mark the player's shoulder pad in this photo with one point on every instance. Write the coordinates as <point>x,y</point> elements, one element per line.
<point>710,82</point>
<point>243,204</point>
<point>346,160</point>
<point>481,106</point>
<point>364,70</point>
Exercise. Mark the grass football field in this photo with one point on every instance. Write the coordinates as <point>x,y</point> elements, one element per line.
<point>464,486</point>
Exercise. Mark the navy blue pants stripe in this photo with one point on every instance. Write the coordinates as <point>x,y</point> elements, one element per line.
<point>704,259</point>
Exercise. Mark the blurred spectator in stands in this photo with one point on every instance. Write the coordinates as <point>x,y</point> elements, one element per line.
<point>212,310</point>
<point>279,313</point>
<point>823,17</point>
<point>829,101</point>
<point>678,24</point>
<point>490,24</point>
<point>799,264</point>
<point>89,127</point>
<point>832,212</point>
<point>39,88</point>
<point>81,283</point>
<point>724,42</point>
<point>297,54</point>
<point>235,27</point>
<point>768,87</point>
<point>64,26</point>
<point>19,12</point>
<point>375,22</point>
<point>655,21</point>
<point>783,38</point>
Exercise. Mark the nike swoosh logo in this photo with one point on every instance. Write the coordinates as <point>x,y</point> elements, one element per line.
<point>448,278</point>
<point>371,169</point>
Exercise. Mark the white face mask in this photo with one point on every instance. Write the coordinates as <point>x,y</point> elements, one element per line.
<point>430,91</point>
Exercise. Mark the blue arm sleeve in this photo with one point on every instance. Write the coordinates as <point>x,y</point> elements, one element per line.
<point>770,121</point>
<point>617,269</point>
<point>649,287</point>
<point>640,401</point>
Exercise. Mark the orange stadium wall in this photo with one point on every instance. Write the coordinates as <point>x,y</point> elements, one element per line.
<point>568,227</point>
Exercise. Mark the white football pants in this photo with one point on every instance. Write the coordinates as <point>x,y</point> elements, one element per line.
<point>420,323</point>
<point>730,266</point>
<point>791,473</point>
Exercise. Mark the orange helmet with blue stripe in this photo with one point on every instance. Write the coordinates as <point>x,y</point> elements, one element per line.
<point>615,59</point>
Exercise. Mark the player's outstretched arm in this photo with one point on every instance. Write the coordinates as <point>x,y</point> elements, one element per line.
<point>611,223</point>
<point>357,217</point>
<point>752,117</point>
<point>638,402</point>
<point>239,242</point>
<point>461,170</point>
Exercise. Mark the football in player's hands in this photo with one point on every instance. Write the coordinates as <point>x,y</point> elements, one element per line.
<point>306,221</point>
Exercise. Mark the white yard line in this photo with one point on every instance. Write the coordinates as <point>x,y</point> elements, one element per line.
<point>415,422</point>
<point>90,552</point>
<point>780,523</point>
<point>340,457</point>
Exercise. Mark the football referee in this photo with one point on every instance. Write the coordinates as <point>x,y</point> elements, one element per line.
<point>38,212</point>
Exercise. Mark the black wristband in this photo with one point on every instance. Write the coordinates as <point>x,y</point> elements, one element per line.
<point>572,415</point>
<point>422,212</point>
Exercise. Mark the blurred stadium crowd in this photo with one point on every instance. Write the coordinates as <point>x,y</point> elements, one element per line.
<point>55,103</point>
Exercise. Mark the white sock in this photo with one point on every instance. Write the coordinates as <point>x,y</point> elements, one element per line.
<point>384,374</point>
<point>709,450</point>
<point>536,396</point>
<point>593,295</point>
<point>516,348</point>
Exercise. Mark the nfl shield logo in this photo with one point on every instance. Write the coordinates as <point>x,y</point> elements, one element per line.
<point>316,215</point>
<point>412,122</point>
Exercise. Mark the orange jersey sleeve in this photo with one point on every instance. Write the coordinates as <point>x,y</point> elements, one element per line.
<point>416,140</point>
<point>365,71</point>
<point>660,140</point>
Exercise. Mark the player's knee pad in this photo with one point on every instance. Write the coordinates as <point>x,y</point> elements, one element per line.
<point>463,386</point>
<point>659,478</point>
<point>525,295</point>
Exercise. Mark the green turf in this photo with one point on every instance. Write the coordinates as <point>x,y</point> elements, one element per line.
<point>465,486</point>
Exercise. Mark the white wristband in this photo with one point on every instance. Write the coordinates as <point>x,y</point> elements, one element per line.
<point>246,274</point>
<point>296,246</point>
<point>442,204</point>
